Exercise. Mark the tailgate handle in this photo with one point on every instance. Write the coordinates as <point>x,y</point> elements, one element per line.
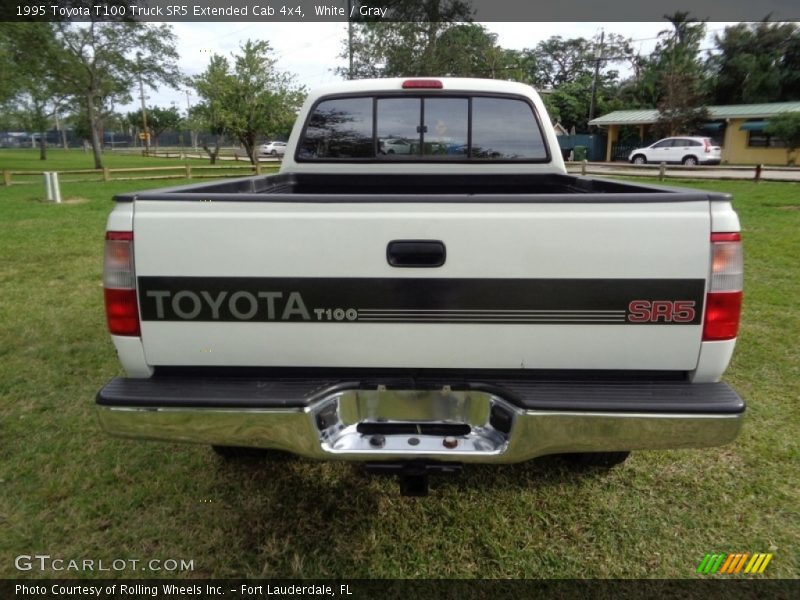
<point>416,253</point>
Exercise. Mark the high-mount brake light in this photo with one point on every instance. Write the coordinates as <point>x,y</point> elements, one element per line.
<point>119,284</point>
<point>422,84</point>
<point>724,298</point>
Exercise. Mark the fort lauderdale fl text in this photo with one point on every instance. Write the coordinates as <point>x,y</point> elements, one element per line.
<point>184,10</point>
<point>206,590</point>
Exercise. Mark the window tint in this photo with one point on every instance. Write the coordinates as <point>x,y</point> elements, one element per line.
<point>504,128</point>
<point>663,144</point>
<point>446,126</point>
<point>398,126</point>
<point>340,128</point>
<point>420,127</point>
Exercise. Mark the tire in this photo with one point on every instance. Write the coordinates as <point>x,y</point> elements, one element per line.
<point>604,460</point>
<point>690,161</point>
<point>273,153</point>
<point>639,159</point>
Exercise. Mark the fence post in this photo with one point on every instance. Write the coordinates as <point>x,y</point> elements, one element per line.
<point>6,177</point>
<point>48,185</point>
<point>662,170</point>
<point>758,172</point>
<point>584,162</point>
<point>56,187</point>
<point>188,172</point>
<point>258,167</point>
<point>106,174</point>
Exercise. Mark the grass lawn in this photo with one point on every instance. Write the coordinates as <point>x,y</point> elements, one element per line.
<point>27,159</point>
<point>58,159</point>
<point>69,491</point>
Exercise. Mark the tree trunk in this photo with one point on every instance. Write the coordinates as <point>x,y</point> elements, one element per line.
<point>249,144</point>
<point>94,126</point>
<point>212,154</point>
<point>42,146</point>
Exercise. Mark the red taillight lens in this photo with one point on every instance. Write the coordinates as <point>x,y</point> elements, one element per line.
<point>724,298</point>
<point>723,310</point>
<point>119,281</point>
<point>422,84</point>
<point>121,312</point>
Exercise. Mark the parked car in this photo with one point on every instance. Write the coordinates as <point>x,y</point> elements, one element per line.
<point>395,146</point>
<point>273,148</point>
<point>686,150</point>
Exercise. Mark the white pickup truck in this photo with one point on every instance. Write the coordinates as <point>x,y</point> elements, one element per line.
<point>423,285</point>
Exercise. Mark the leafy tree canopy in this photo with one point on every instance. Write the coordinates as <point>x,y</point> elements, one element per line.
<point>247,97</point>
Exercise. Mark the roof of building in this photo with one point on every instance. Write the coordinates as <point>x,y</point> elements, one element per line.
<point>732,111</point>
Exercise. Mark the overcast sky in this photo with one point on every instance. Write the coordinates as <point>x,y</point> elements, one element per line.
<point>310,50</point>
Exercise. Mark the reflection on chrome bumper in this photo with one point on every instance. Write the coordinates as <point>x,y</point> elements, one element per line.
<point>445,425</point>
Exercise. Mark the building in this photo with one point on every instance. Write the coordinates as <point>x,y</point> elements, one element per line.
<point>739,129</point>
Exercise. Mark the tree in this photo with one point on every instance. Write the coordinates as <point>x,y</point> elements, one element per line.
<point>97,63</point>
<point>755,62</point>
<point>161,119</point>
<point>248,97</point>
<point>9,76</point>
<point>786,126</point>
<point>680,74</point>
<point>567,68</point>
<point>211,112</point>
<point>32,114</point>
<point>25,85</point>
<point>413,41</point>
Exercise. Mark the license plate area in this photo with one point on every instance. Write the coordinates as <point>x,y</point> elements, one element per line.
<point>441,424</point>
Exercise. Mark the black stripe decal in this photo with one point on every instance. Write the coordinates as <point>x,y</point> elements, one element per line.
<point>421,300</point>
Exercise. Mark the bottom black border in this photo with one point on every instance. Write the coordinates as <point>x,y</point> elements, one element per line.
<point>357,589</point>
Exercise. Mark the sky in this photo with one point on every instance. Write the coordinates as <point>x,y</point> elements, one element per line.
<point>310,50</point>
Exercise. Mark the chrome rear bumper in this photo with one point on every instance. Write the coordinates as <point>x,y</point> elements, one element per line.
<point>469,426</point>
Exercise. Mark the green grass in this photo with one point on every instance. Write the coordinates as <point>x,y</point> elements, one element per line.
<point>58,159</point>
<point>26,163</point>
<point>68,490</point>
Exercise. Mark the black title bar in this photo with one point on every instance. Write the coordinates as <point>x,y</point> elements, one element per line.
<point>393,10</point>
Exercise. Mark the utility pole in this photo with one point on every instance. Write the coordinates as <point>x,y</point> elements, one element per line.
<point>350,37</point>
<point>188,116</point>
<point>598,52</point>
<point>144,109</point>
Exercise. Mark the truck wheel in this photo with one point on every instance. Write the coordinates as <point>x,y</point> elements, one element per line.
<point>639,159</point>
<point>597,459</point>
<point>242,452</point>
<point>689,161</point>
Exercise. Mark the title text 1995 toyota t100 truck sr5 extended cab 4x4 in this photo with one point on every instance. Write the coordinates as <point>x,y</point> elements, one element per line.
<point>423,285</point>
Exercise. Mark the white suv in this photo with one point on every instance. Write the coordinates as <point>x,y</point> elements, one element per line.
<point>273,148</point>
<point>686,150</point>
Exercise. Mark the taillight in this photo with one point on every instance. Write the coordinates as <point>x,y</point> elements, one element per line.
<point>724,298</point>
<point>119,283</point>
<point>417,84</point>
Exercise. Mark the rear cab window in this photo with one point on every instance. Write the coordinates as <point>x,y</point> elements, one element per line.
<point>423,128</point>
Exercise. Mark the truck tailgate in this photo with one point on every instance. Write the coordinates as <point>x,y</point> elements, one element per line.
<point>578,285</point>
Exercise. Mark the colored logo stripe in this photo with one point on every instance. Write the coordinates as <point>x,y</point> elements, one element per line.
<point>731,564</point>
